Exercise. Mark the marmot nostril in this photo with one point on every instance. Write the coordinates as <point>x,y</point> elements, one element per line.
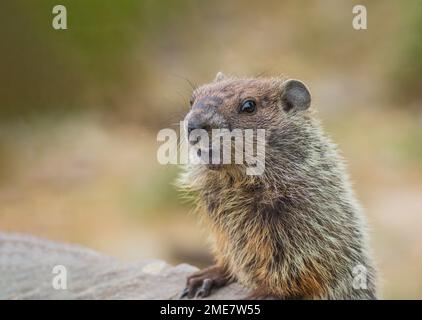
<point>193,125</point>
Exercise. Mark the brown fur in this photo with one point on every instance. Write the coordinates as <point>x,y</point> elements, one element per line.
<point>297,231</point>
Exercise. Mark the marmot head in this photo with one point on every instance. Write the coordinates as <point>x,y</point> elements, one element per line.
<point>245,103</point>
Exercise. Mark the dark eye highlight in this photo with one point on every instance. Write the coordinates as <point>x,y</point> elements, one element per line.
<point>248,106</point>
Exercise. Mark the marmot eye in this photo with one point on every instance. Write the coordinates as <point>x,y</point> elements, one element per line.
<point>248,106</point>
<point>191,101</point>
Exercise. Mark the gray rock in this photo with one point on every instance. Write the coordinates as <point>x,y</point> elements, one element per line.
<point>26,272</point>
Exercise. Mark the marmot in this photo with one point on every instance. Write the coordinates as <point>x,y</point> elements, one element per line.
<point>294,232</point>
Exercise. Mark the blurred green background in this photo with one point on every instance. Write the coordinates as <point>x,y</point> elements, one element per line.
<point>80,109</point>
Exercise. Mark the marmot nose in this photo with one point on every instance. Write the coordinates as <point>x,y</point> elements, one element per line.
<point>194,124</point>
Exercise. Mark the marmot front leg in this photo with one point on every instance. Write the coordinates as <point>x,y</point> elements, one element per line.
<point>202,282</point>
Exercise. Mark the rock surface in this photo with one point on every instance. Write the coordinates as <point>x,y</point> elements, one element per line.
<point>26,272</point>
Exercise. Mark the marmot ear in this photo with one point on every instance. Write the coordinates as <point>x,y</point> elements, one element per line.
<point>295,95</point>
<point>220,77</point>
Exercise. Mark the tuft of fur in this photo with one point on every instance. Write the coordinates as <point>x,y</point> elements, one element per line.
<point>297,231</point>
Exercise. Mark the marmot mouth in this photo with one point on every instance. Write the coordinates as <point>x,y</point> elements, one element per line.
<point>206,155</point>
<point>200,152</point>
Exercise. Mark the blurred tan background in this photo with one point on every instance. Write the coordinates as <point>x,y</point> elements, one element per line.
<point>80,110</point>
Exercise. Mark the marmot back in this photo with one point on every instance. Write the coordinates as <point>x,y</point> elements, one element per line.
<point>296,231</point>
